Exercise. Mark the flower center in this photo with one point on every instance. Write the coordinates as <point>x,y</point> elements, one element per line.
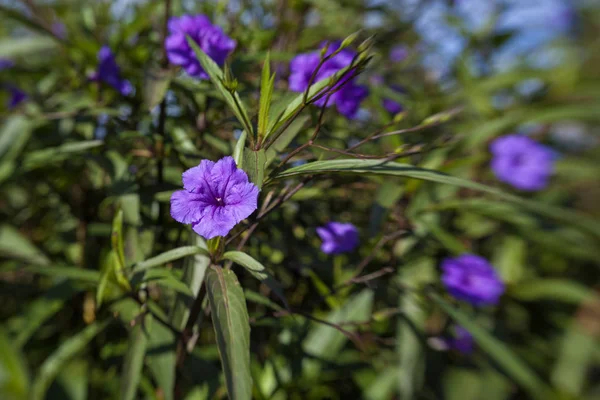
<point>219,201</point>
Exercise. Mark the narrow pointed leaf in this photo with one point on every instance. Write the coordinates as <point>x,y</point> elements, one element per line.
<point>254,165</point>
<point>51,367</point>
<point>134,359</point>
<point>232,329</point>
<point>216,76</point>
<point>380,167</point>
<point>169,256</point>
<point>257,270</point>
<point>238,151</point>
<point>266,92</point>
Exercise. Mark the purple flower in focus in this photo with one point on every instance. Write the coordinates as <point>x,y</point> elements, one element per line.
<point>398,53</point>
<point>210,38</point>
<point>110,73</point>
<point>472,279</point>
<point>17,96</point>
<point>349,95</point>
<point>522,162</point>
<point>338,237</point>
<point>462,340</point>
<point>216,196</point>
<point>5,63</point>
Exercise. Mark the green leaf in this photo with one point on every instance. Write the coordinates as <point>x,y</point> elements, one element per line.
<point>411,326</point>
<point>26,46</point>
<point>65,352</point>
<point>14,379</point>
<point>216,76</point>
<point>562,290</point>
<point>169,256</point>
<point>285,138</point>
<point>379,167</point>
<point>325,342</point>
<point>162,358</point>
<point>499,352</point>
<point>257,270</point>
<point>117,247</point>
<point>19,17</point>
<point>232,328</point>
<point>41,158</point>
<point>254,165</point>
<point>293,107</point>
<point>14,244</point>
<point>575,361</point>
<point>14,135</point>
<point>238,151</point>
<point>110,265</point>
<point>156,85</point>
<point>266,92</point>
<point>134,359</point>
<point>75,273</point>
<point>166,278</point>
<point>39,311</point>
<point>182,142</point>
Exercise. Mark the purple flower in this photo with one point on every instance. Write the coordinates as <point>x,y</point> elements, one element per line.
<point>462,340</point>
<point>210,38</point>
<point>5,63</point>
<point>349,95</point>
<point>59,29</point>
<point>216,196</point>
<point>472,279</point>
<point>17,96</point>
<point>398,53</point>
<point>522,162</point>
<point>392,106</point>
<point>110,73</point>
<point>338,237</point>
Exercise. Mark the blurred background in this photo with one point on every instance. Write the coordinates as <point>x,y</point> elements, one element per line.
<point>73,150</point>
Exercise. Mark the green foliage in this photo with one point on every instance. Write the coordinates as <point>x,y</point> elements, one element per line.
<point>104,295</point>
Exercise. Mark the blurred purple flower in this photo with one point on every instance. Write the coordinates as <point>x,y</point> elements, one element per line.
<point>210,38</point>
<point>522,162</point>
<point>348,96</point>
<point>17,96</point>
<point>59,29</point>
<point>472,279</point>
<point>392,106</point>
<point>110,73</point>
<point>338,237</point>
<point>398,53</point>
<point>462,340</point>
<point>5,63</point>
<point>216,197</point>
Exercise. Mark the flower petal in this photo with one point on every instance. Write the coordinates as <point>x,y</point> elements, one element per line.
<point>217,222</point>
<point>188,207</point>
<point>197,178</point>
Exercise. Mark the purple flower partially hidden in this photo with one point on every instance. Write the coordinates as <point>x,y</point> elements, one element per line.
<point>17,96</point>
<point>392,106</point>
<point>472,279</point>
<point>5,63</point>
<point>110,73</point>
<point>338,237</point>
<point>462,340</point>
<point>347,98</point>
<point>216,197</point>
<point>398,53</point>
<point>522,162</point>
<point>210,38</point>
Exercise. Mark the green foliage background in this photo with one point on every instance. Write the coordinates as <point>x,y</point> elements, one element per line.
<point>104,296</point>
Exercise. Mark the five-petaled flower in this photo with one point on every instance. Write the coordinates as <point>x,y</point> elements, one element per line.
<point>472,279</point>
<point>216,197</point>
<point>522,162</point>
<point>348,96</point>
<point>338,237</point>
<point>110,73</point>
<point>210,38</point>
